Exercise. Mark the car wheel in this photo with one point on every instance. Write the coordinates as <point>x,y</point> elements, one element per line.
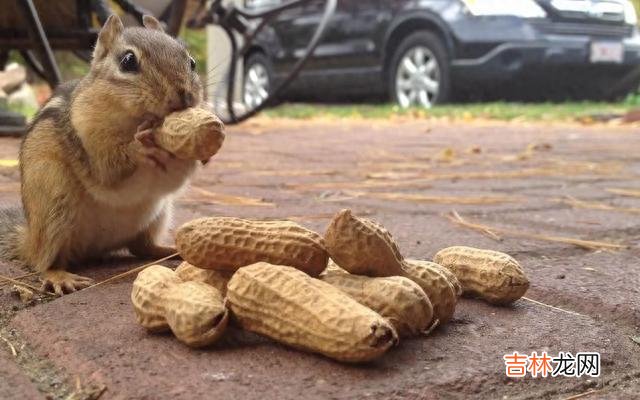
<point>419,73</point>
<point>258,77</point>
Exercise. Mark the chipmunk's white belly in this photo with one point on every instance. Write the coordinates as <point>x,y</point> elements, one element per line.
<point>101,228</point>
<point>110,219</point>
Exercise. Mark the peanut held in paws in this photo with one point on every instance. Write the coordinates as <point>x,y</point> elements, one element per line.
<point>191,134</point>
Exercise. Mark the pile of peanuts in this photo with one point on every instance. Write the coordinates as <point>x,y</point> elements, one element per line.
<point>349,295</point>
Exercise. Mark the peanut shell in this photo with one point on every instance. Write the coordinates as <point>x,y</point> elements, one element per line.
<point>362,246</point>
<point>490,275</point>
<point>191,134</point>
<point>448,274</point>
<point>196,313</point>
<point>293,308</point>
<point>436,285</point>
<point>147,296</point>
<point>226,243</point>
<point>217,279</point>
<point>193,311</point>
<point>401,301</point>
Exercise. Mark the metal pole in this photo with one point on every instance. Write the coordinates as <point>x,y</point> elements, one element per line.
<point>41,42</point>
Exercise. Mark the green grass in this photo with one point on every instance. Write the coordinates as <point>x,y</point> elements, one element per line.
<point>28,112</point>
<point>496,111</point>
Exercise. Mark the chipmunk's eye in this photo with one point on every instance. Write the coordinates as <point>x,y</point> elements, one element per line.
<point>192,63</point>
<point>129,62</point>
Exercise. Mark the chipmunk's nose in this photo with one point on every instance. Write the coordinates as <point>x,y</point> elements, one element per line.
<point>185,99</point>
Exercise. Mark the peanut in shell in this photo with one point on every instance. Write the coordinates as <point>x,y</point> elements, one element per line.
<point>436,285</point>
<point>490,275</point>
<point>191,134</point>
<point>400,300</point>
<point>447,273</point>
<point>215,278</point>
<point>193,311</point>
<point>226,243</point>
<point>295,309</point>
<point>362,246</point>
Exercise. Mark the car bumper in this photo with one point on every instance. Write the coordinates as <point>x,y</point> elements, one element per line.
<point>535,51</point>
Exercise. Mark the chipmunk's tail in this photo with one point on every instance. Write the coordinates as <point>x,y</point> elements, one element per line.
<point>11,227</point>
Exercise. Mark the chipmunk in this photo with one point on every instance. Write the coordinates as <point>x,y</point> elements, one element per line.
<point>93,180</point>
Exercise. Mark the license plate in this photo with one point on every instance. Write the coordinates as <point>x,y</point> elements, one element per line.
<point>607,52</point>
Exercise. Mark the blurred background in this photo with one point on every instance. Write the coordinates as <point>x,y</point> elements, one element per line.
<point>554,60</point>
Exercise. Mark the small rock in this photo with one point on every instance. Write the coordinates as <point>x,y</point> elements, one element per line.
<point>561,276</point>
<point>12,77</point>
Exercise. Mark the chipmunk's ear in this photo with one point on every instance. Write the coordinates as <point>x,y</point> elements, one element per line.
<point>111,30</point>
<point>150,22</point>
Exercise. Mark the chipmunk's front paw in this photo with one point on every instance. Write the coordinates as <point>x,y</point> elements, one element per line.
<point>156,157</point>
<point>150,153</point>
<point>62,282</point>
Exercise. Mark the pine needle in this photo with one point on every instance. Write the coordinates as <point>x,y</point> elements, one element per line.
<point>594,205</point>
<point>493,232</point>
<point>554,307</point>
<point>624,192</point>
<point>30,274</point>
<point>11,346</point>
<point>131,272</point>
<point>582,395</point>
<point>456,218</point>
<point>224,199</point>
<point>420,198</point>
<point>18,283</point>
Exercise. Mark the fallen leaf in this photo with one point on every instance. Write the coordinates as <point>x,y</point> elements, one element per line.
<point>446,155</point>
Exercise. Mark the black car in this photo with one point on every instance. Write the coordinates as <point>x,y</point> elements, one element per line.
<point>425,52</point>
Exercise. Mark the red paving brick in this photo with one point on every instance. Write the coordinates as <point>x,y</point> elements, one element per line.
<point>306,172</point>
<point>14,384</point>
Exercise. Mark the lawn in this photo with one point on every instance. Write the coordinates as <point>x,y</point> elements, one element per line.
<point>570,111</point>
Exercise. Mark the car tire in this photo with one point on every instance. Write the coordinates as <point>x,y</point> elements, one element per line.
<point>258,80</point>
<point>432,47</point>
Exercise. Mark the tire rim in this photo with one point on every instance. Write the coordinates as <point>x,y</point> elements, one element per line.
<point>256,85</point>
<point>418,78</point>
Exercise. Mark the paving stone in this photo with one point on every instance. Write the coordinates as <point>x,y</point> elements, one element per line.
<point>93,334</point>
<point>106,345</point>
<point>14,384</point>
